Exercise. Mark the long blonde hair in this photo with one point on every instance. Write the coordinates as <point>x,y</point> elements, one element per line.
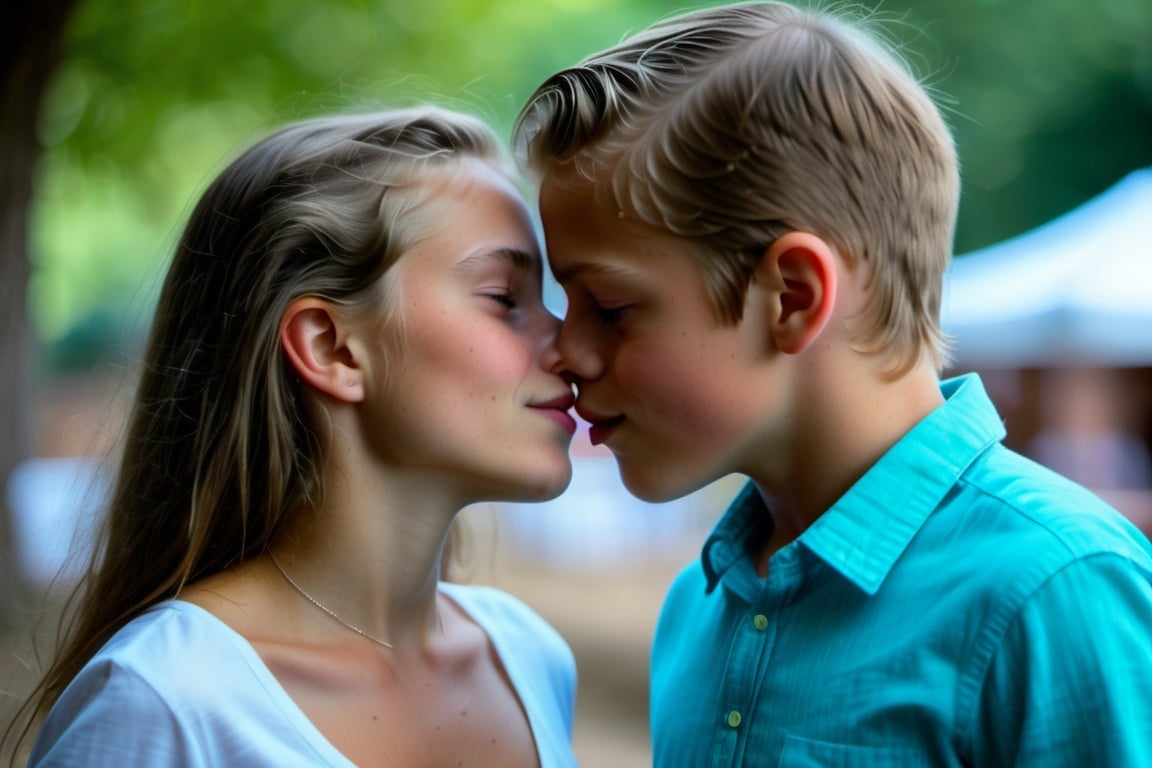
<point>219,450</point>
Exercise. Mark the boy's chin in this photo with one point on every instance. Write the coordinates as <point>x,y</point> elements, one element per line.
<point>650,485</point>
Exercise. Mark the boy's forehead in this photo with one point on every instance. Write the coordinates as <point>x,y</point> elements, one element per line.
<point>580,234</point>
<point>585,237</point>
<point>584,242</point>
<point>563,187</point>
<point>568,211</point>
<point>573,207</point>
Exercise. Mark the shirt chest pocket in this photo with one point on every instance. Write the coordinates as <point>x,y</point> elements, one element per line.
<point>807,753</point>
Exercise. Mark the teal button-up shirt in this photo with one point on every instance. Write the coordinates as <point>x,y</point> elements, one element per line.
<point>959,606</point>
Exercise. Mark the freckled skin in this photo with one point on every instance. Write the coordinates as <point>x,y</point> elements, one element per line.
<point>691,390</point>
<point>451,408</point>
<point>471,366</point>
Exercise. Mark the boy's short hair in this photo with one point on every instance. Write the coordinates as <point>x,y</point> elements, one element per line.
<point>734,125</point>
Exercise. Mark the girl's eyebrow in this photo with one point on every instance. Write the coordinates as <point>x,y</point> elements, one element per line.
<point>517,257</point>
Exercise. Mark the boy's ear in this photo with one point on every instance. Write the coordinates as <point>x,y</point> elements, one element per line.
<point>799,273</point>
<point>317,349</point>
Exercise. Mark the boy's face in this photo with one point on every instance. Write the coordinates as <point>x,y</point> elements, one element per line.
<point>675,393</point>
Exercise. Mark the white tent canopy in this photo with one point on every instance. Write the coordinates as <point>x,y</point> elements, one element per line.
<point>1075,291</point>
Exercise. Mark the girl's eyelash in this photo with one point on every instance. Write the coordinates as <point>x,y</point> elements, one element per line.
<point>504,299</point>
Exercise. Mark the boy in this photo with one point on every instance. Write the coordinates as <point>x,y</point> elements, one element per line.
<point>751,209</point>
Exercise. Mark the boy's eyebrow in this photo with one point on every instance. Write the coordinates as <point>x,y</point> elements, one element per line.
<point>571,271</point>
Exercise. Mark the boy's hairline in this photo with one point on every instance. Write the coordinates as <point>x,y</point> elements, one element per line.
<point>596,156</point>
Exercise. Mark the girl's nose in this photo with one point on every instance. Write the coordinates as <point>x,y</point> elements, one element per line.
<point>550,358</point>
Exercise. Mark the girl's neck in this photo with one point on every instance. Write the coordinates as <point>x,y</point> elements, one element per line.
<point>372,554</point>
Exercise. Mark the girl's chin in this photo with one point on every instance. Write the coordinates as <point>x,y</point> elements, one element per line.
<point>545,488</point>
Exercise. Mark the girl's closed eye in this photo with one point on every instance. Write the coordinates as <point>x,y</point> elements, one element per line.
<point>502,297</point>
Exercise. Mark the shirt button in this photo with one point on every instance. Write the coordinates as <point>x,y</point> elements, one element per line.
<point>734,719</point>
<point>760,621</point>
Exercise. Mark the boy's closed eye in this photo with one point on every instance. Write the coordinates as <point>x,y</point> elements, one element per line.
<point>585,305</point>
<point>610,315</point>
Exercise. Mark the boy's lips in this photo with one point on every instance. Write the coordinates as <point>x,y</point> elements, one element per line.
<point>600,431</point>
<point>556,409</point>
<point>601,426</point>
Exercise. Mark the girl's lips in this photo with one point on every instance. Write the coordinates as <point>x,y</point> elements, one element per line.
<point>557,410</point>
<point>600,431</point>
<point>562,418</point>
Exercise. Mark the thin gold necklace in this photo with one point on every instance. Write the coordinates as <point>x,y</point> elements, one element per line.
<point>322,607</point>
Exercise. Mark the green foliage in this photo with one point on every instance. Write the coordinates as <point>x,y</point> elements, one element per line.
<point>154,96</point>
<point>1051,102</point>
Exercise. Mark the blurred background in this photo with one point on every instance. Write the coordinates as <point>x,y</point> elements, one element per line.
<point>115,114</point>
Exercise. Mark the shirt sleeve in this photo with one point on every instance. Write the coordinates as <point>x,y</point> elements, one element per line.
<point>1071,684</point>
<point>110,718</point>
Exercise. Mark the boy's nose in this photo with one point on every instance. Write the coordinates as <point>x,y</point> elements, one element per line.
<point>572,356</point>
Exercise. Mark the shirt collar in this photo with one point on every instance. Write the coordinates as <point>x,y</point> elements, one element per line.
<point>864,533</point>
<point>734,534</point>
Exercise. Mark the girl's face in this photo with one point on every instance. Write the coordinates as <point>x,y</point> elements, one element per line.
<point>458,391</point>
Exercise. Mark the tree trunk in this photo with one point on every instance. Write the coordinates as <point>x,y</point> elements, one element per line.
<point>31,42</point>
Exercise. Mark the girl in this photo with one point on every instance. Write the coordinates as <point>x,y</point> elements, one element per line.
<point>347,350</point>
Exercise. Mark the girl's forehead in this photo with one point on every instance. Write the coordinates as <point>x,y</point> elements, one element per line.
<point>474,219</point>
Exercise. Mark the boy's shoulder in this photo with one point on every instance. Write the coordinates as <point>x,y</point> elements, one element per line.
<point>1012,496</point>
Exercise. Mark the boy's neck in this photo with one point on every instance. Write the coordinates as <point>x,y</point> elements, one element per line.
<point>845,431</point>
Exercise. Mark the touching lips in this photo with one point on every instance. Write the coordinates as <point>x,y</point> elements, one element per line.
<point>600,427</point>
<point>600,431</point>
<point>557,410</point>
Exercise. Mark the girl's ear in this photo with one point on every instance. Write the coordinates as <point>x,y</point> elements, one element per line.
<point>799,273</point>
<point>318,350</point>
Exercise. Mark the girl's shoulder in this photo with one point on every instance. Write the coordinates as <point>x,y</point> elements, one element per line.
<point>177,686</point>
<point>486,603</point>
<point>172,644</point>
<point>508,620</point>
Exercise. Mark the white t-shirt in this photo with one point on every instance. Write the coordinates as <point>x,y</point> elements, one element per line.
<point>178,687</point>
